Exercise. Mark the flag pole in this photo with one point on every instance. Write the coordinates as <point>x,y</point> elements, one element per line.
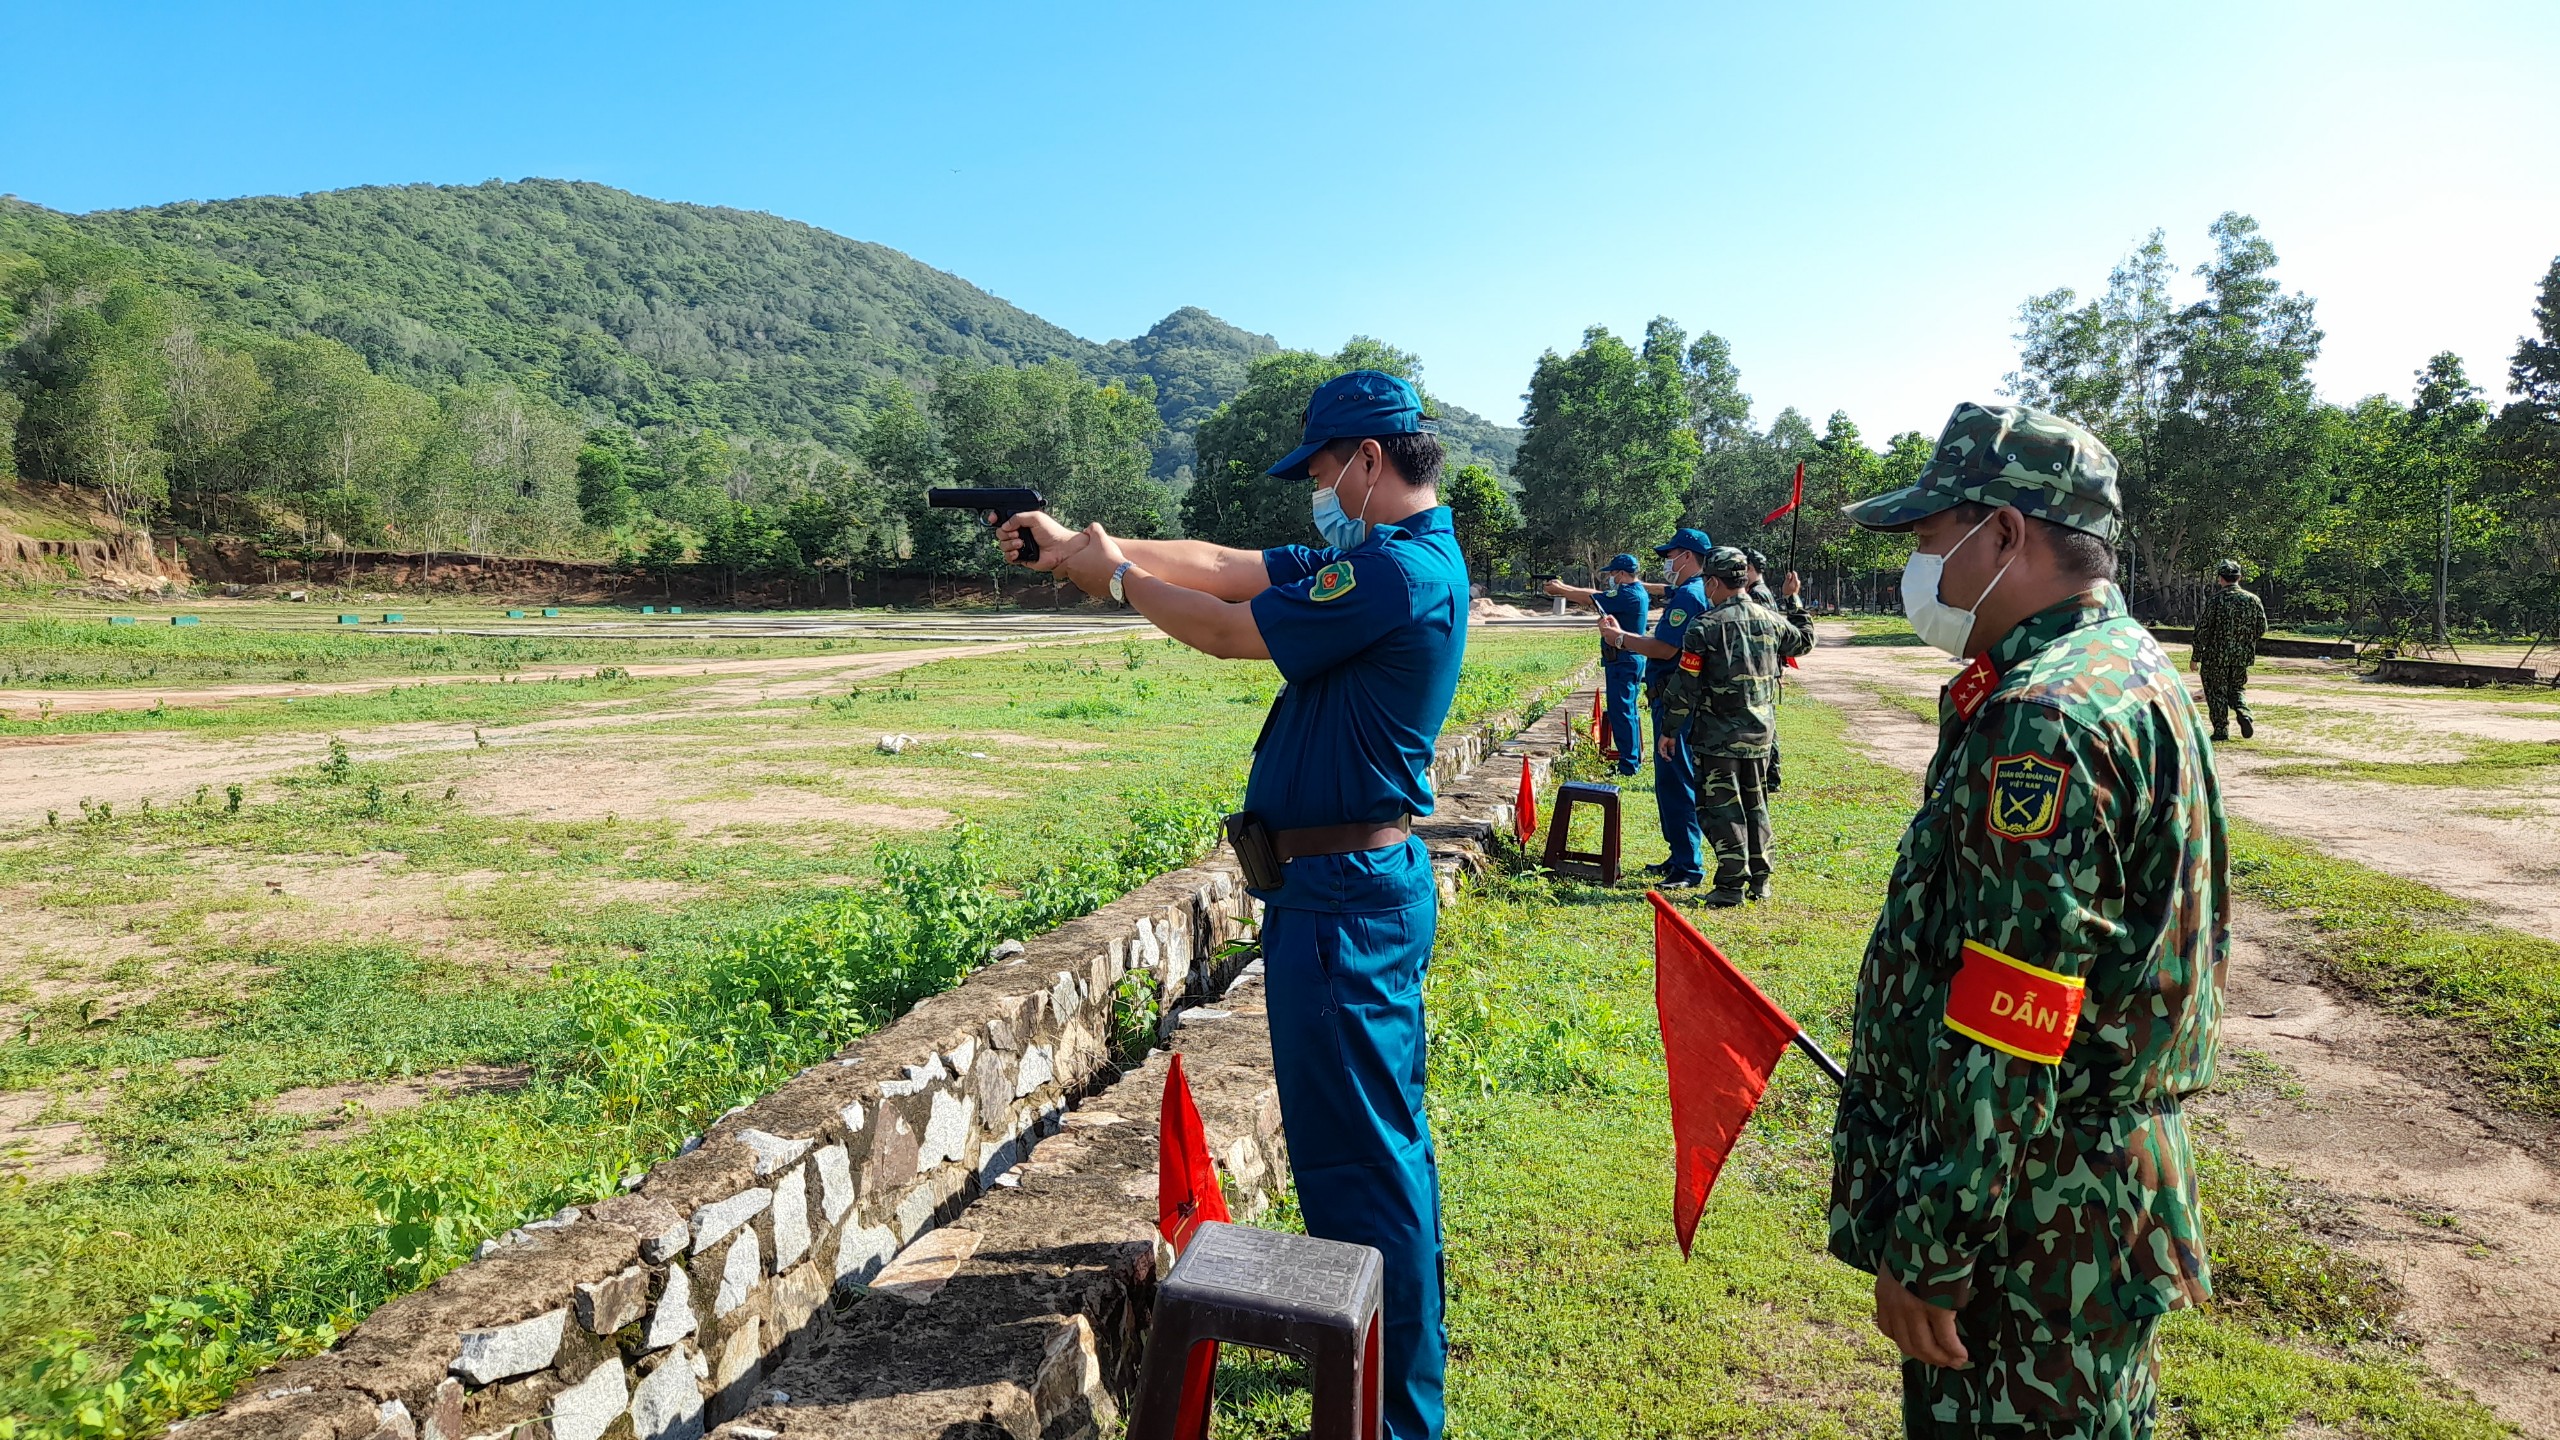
<point>1820,1057</point>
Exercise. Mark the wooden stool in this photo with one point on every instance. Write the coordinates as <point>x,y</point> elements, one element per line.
<point>1583,864</point>
<point>1315,1299</point>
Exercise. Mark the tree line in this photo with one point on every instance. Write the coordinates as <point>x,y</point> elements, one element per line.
<point>126,388</point>
<point>2340,512</point>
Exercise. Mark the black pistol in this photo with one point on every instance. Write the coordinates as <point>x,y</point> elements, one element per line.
<point>1004,503</point>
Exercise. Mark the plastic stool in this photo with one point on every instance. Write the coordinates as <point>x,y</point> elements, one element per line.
<point>1583,864</point>
<point>1315,1299</point>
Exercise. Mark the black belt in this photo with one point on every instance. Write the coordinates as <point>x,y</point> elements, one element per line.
<point>1348,839</point>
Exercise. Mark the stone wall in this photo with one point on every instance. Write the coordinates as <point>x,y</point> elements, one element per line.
<point>1025,1317</point>
<point>658,1313</point>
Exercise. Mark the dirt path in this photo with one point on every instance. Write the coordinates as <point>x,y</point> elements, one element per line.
<point>2498,848</point>
<point>58,772</point>
<point>2453,1200</point>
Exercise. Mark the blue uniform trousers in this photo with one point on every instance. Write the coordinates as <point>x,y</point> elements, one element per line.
<point>1345,997</point>
<point>1619,684</point>
<point>1675,796</point>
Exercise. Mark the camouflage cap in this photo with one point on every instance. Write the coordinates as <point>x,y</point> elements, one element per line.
<point>2047,466</point>
<point>1759,559</point>
<point>2228,569</point>
<point>1726,564</point>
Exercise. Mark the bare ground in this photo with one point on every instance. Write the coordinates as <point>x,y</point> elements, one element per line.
<point>2455,1199</point>
<point>2492,845</point>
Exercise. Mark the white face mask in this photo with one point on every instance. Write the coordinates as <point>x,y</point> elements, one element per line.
<point>1936,622</point>
<point>1339,530</point>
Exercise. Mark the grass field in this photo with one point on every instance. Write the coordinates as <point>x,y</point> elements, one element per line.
<point>72,648</point>
<point>1572,1311</point>
<point>326,1033</point>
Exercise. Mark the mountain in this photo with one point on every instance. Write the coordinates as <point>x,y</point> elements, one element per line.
<point>651,312</point>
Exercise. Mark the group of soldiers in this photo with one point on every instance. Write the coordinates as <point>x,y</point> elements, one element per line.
<point>1710,677</point>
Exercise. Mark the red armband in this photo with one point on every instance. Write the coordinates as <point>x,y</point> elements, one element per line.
<point>2012,1006</point>
<point>1692,661</point>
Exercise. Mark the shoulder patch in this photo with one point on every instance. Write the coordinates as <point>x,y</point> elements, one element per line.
<point>2026,796</point>
<point>1972,686</point>
<point>1676,617</point>
<point>2012,1006</point>
<point>1333,581</point>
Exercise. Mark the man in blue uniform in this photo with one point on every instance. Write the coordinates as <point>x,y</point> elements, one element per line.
<point>1368,632</point>
<point>1621,596</point>
<point>1675,782</point>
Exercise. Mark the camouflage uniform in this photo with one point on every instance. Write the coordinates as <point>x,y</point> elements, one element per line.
<point>1761,594</point>
<point>2226,645</point>
<point>1722,703</point>
<point>2041,992</point>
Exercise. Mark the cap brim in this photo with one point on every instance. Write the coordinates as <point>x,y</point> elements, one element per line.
<point>1900,509</point>
<point>1293,466</point>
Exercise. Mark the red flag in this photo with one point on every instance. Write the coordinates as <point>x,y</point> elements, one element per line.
<point>1720,1037</point>
<point>1600,735</point>
<point>1524,811</point>
<point>1187,1193</point>
<point>1186,1180</point>
<point>1794,500</point>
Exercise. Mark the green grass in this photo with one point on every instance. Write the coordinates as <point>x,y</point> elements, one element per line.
<point>2416,949</point>
<point>1572,1311</point>
<point>623,1013</point>
<point>83,651</point>
<point>2485,765</point>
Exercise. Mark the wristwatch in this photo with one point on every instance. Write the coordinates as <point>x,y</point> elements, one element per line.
<point>1117,598</point>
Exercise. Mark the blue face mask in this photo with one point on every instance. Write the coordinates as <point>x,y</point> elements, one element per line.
<point>1341,531</point>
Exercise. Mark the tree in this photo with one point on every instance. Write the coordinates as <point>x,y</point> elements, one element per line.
<point>2210,408</point>
<point>2237,468</point>
<point>215,397</point>
<point>1609,448</point>
<point>89,375</point>
<point>1047,428</point>
<point>1488,524</point>
<point>2521,468</point>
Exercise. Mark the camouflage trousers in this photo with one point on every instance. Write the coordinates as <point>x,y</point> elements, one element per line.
<point>1733,810</point>
<point>2226,691</point>
<point>2106,1386</point>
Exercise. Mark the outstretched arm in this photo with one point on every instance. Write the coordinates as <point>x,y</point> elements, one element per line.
<point>1221,628</point>
<point>1196,565</point>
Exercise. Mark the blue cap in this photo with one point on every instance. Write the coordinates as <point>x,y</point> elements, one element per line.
<point>1353,407</point>
<point>1693,541</point>
<point>1626,563</point>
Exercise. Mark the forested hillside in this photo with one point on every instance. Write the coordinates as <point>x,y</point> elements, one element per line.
<point>567,368</point>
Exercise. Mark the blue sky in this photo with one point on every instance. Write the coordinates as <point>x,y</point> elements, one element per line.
<point>1856,195</point>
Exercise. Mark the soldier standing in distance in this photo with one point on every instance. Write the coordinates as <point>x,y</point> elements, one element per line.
<point>2044,986</point>
<point>1722,705</point>
<point>1675,786</point>
<point>1368,633</point>
<point>2226,645</point>
<point>1621,598</point>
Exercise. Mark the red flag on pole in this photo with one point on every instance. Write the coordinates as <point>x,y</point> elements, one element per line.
<point>1721,1037</point>
<point>1524,811</point>
<point>1187,1189</point>
<point>1187,1193</point>
<point>1600,735</point>
<point>1794,500</point>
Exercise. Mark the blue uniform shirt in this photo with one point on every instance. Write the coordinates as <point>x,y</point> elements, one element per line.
<point>1369,640</point>
<point>1628,603</point>
<point>1683,605</point>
